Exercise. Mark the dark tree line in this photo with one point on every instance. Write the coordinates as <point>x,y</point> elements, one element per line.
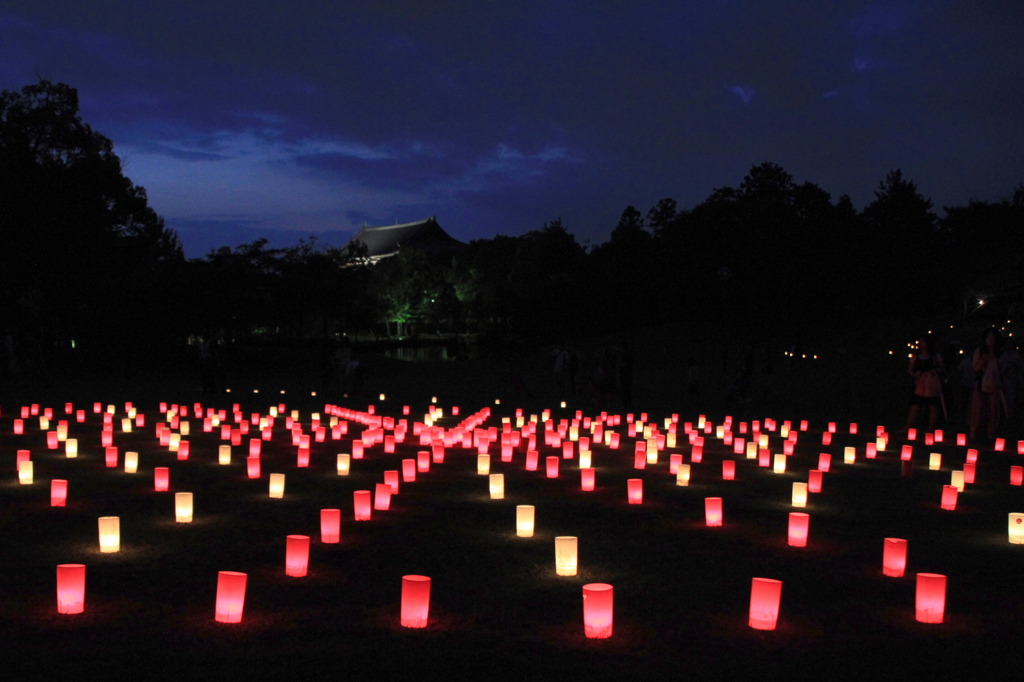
<point>83,256</point>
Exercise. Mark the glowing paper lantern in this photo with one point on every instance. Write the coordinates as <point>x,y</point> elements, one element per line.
<point>683,475</point>
<point>635,490</point>
<point>779,465</point>
<point>935,461</point>
<point>850,453</point>
<point>361,505</point>
<point>566,547</point>
<point>71,448</point>
<point>765,595</point>
<point>949,494</point>
<point>587,479</point>
<point>252,467</point>
<point>110,534</point>
<point>713,511</point>
<point>25,472</point>
<point>824,461</point>
<point>496,486</point>
<point>728,470</point>
<point>894,557</point>
<point>277,486</point>
<point>382,497</point>
<point>58,492</point>
<point>70,588</point>
<point>161,479</point>
<point>224,454</point>
<point>183,507</point>
<point>1016,528</point>
<point>956,479</point>
<point>344,463</point>
<point>551,466</point>
<point>970,470</point>
<point>524,520</point>
<point>415,601</point>
<point>330,526</point>
<point>930,597</point>
<point>230,596</point>
<point>483,464</point>
<point>110,456</point>
<point>1016,475</point>
<point>799,523</point>
<point>408,470</point>
<point>799,495</point>
<point>814,480</point>
<point>598,610</point>
<point>296,560</point>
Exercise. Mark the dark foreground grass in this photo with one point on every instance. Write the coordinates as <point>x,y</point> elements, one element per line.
<point>498,611</point>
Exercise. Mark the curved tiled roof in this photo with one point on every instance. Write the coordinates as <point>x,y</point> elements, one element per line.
<point>381,242</point>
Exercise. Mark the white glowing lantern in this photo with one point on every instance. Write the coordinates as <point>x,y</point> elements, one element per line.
<point>131,462</point>
<point>1016,528</point>
<point>483,465</point>
<point>344,463</point>
<point>224,454</point>
<point>496,484</point>
<point>799,494</point>
<point>683,475</point>
<point>71,448</point>
<point>25,472</point>
<point>183,507</point>
<point>566,547</point>
<point>525,514</point>
<point>779,465</point>
<point>277,485</point>
<point>956,479</point>
<point>935,461</point>
<point>110,534</point>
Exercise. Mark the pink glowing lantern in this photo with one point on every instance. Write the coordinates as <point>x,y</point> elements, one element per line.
<point>382,497</point>
<point>970,471</point>
<point>391,478</point>
<point>230,596</point>
<point>19,427</point>
<point>894,557</point>
<point>1000,445</point>
<point>824,461</point>
<point>713,511</point>
<point>361,503</point>
<point>551,466</point>
<point>728,470</point>
<point>814,480</point>
<point>252,467</point>
<point>51,440</point>
<point>408,470</point>
<point>296,560</point>
<point>531,460</point>
<point>906,452</point>
<point>765,595</point>
<point>1016,475</point>
<point>415,601</point>
<point>930,598</point>
<point>949,495</point>
<point>587,479</point>
<point>635,490</point>
<point>58,492</point>
<point>598,610</point>
<point>330,526</point>
<point>70,588</point>
<point>110,456</point>
<point>423,461</point>
<point>799,523</point>
<point>674,460</point>
<point>972,456</point>
<point>161,479</point>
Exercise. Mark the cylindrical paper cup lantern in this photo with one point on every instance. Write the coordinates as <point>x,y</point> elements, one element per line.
<point>224,454</point>
<point>71,448</point>
<point>423,461</point>
<point>110,534</point>
<point>1016,528</point>
<point>587,479</point>
<point>483,464</point>
<point>779,465</point>
<point>296,560</point>
<point>70,588</point>
<point>524,520</point>
<point>956,479</point>
<point>765,594</point>
<point>391,478</point>
<point>330,526</point>
<point>598,610</point>
<point>131,462</point>
<point>344,463</point>
<point>931,597</point>
<point>728,470</point>
<point>635,490</point>
<point>799,494</point>
<point>824,461</point>
<point>161,479</point>
<point>566,554</point>
<point>934,461</point>
<point>814,480</point>
<point>970,469</point>
<point>277,485</point>
<point>253,467</point>
<point>799,523</point>
<point>408,470</point>
<point>894,557</point>
<point>949,494</point>
<point>713,511</point>
<point>586,457</point>
<point>183,507</point>
<point>1017,475</point>
<point>496,484</point>
<point>551,466</point>
<point>361,505</point>
<point>674,460</point>
<point>415,601</point>
<point>382,497</point>
<point>683,475</point>
<point>230,596</point>
<point>58,492</point>
<point>26,473</point>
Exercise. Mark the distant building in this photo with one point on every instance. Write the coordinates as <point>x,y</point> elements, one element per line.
<point>376,243</point>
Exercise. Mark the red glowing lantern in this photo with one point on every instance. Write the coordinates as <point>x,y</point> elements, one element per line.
<point>531,460</point>
<point>814,480</point>
<point>361,505</point>
<point>1016,475</point>
<point>58,492</point>
<point>824,461</point>
<point>408,470</point>
<point>423,461</point>
<point>765,595</point>
<point>110,456</point>
<point>713,511</point>
<point>330,526</point>
<point>70,588</point>
<point>598,610</point>
<point>230,596</point>
<point>1000,445</point>
<point>674,460</point>
<point>296,561</point>
<point>894,557</point>
<point>635,490</point>
<point>415,601</point>
<point>161,479</point>
<point>587,479</point>
<point>970,470</point>
<point>382,497</point>
<point>930,597</point>
<point>19,427</point>
<point>391,478</point>
<point>551,465</point>
<point>728,470</point>
<point>252,467</point>
<point>949,494</point>
<point>799,523</point>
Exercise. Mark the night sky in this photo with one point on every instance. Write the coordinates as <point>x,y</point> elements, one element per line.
<point>285,119</point>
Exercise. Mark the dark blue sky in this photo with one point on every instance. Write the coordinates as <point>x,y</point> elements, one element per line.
<point>281,119</point>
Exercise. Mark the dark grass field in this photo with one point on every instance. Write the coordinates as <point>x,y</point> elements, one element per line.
<point>498,611</point>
